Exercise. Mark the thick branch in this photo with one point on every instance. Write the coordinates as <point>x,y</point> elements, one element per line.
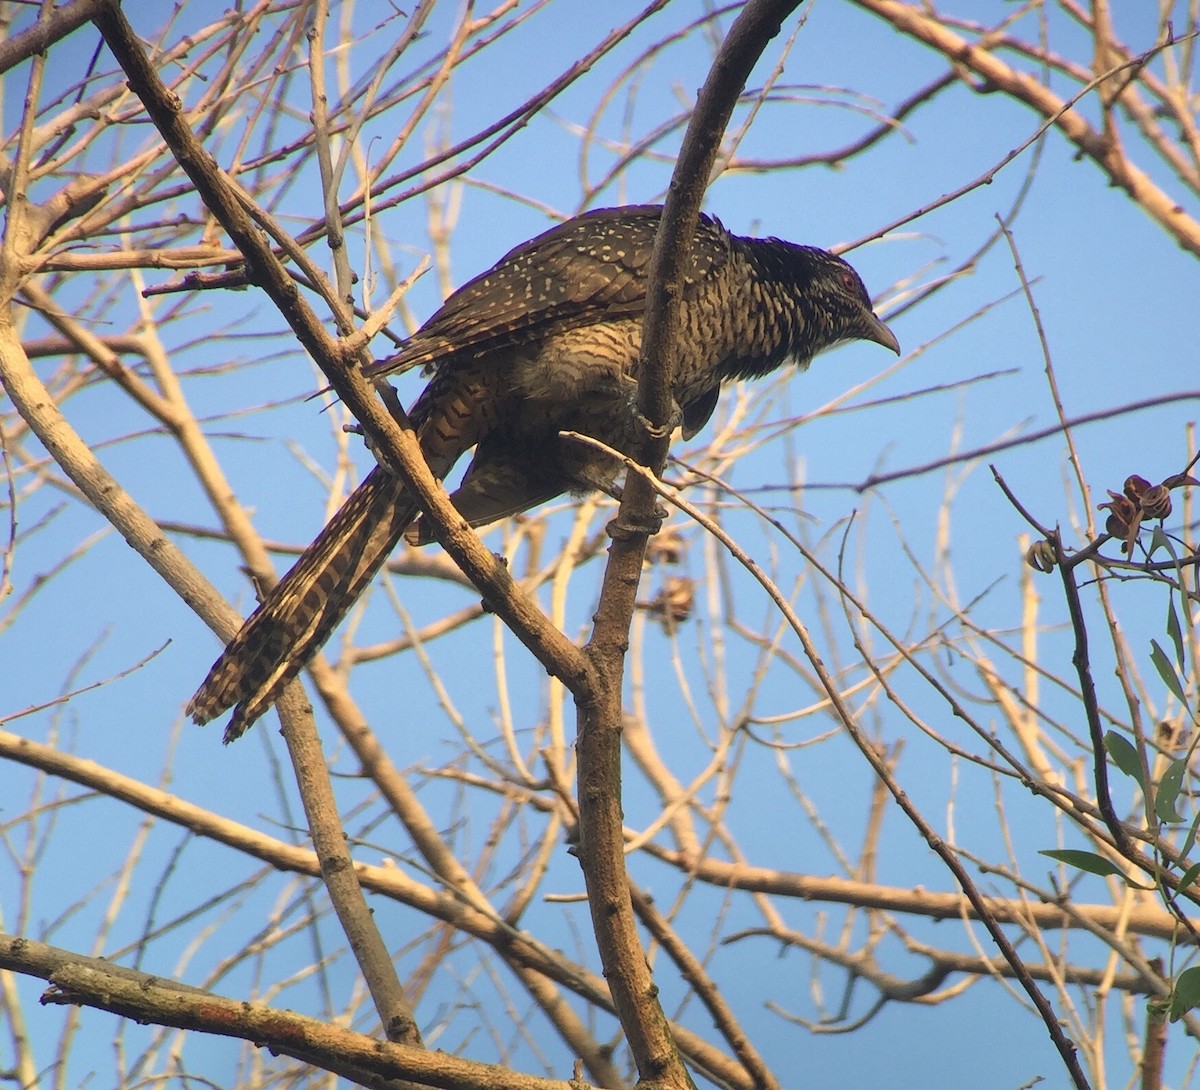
<point>599,746</point>
<point>93,982</point>
<point>52,26</point>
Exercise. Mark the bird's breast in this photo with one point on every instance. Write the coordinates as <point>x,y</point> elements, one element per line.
<point>574,364</point>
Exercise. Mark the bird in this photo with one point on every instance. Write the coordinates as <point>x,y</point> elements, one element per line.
<point>545,341</point>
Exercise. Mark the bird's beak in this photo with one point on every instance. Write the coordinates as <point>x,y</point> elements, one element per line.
<point>875,330</point>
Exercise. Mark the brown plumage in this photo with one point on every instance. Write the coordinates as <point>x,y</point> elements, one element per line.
<point>545,341</point>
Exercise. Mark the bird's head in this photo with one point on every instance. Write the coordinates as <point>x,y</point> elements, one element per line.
<point>803,301</point>
<point>840,308</point>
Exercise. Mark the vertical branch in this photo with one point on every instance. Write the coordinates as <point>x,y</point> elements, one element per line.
<point>322,139</point>
<point>337,870</point>
<point>21,224</point>
<point>601,848</point>
<point>1104,58</point>
<point>1154,1045</point>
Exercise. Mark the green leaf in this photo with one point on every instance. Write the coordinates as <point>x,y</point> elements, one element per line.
<point>1166,671</point>
<point>1190,841</point>
<point>1159,540</point>
<point>1125,757</point>
<point>1186,993</point>
<point>1187,602</point>
<point>1167,792</point>
<point>1188,877</point>
<point>1175,631</point>
<point>1088,861</point>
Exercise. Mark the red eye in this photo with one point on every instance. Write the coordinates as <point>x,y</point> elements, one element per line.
<point>849,279</point>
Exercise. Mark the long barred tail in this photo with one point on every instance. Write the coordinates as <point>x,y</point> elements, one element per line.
<point>305,606</point>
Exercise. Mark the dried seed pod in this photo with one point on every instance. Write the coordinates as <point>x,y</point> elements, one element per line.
<point>1156,502</point>
<point>1041,556</point>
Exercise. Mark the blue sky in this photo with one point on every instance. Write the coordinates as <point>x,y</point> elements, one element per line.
<point>1117,299</point>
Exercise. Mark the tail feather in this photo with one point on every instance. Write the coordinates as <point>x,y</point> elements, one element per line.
<point>303,608</point>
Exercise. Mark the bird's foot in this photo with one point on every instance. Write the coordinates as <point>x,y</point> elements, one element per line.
<point>660,431</point>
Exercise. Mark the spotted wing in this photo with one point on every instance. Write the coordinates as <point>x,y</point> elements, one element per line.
<point>591,268</point>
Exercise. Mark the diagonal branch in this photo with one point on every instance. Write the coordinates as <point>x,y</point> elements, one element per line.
<point>94,982</point>
<point>397,446</point>
<point>1106,152</point>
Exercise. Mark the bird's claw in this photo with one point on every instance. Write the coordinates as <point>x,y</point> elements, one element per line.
<point>660,431</point>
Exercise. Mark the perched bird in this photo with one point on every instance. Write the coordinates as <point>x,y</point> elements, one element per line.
<point>545,341</point>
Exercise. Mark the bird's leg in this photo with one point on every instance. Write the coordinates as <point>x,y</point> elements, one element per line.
<point>391,401</point>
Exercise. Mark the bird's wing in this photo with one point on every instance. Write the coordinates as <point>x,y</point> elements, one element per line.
<point>698,411</point>
<point>591,268</point>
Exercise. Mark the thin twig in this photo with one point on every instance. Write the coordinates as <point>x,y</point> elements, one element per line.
<point>1066,1049</point>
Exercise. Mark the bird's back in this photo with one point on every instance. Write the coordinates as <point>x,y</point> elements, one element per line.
<point>588,270</point>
